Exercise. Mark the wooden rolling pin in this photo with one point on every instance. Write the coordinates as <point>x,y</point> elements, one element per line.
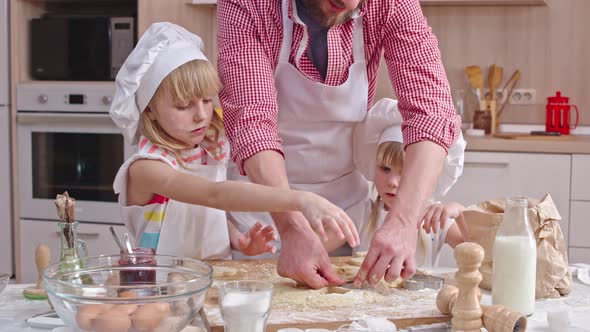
<point>42,259</point>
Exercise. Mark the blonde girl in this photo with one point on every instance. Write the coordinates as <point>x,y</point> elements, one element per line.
<point>442,223</point>
<point>173,191</point>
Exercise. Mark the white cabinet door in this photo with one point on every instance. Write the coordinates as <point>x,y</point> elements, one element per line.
<point>490,175</point>
<point>581,177</point>
<point>98,238</point>
<point>580,225</point>
<point>579,255</point>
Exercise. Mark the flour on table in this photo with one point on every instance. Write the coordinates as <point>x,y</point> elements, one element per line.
<point>224,271</point>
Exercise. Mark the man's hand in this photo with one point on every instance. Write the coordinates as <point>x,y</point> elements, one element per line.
<point>391,254</point>
<point>393,246</point>
<point>303,257</point>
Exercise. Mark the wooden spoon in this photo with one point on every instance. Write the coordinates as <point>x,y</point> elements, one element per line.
<point>494,80</point>
<point>512,82</point>
<point>475,78</point>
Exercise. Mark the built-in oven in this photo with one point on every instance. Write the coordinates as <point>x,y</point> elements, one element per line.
<point>67,141</point>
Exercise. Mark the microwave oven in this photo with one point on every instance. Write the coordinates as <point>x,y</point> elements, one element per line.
<point>80,48</point>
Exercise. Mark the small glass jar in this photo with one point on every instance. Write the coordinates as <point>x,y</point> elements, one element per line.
<point>141,273</point>
<point>72,250</point>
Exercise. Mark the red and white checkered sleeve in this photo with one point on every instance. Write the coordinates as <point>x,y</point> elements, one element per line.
<point>248,97</point>
<point>418,77</point>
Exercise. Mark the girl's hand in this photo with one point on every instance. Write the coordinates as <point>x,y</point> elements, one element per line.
<point>320,213</point>
<point>437,215</point>
<point>256,240</point>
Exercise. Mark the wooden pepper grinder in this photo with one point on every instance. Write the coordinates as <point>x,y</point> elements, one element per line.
<point>496,318</point>
<point>42,259</point>
<point>466,310</point>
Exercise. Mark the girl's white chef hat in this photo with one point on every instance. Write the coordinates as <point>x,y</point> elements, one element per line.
<point>162,48</point>
<point>383,123</point>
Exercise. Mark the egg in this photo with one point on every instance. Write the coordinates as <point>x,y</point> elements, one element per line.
<point>128,294</point>
<point>128,309</point>
<point>88,312</point>
<point>149,316</point>
<point>112,320</point>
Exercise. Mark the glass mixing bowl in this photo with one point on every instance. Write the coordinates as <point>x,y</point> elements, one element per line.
<point>134,293</point>
<point>4,278</point>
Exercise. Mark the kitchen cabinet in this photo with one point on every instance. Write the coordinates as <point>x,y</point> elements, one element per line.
<point>581,177</point>
<point>580,209</point>
<point>579,255</point>
<point>580,225</point>
<point>98,238</point>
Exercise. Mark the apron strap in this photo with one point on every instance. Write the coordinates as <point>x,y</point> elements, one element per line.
<point>358,44</point>
<point>287,34</point>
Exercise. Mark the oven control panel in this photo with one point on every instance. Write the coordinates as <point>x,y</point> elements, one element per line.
<point>94,97</point>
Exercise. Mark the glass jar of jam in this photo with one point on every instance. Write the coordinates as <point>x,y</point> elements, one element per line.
<point>141,263</point>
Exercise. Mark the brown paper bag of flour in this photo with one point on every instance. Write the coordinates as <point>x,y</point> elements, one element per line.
<point>553,276</point>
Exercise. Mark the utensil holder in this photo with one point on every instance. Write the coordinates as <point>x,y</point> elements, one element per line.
<point>486,117</point>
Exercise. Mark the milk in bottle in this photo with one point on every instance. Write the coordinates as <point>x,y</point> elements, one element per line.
<point>515,260</point>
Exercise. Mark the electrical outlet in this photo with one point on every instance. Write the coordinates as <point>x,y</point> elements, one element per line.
<point>500,95</point>
<point>523,97</point>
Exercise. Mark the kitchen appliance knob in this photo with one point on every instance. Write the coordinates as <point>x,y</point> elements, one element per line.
<point>42,99</point>
<point>107,100</point>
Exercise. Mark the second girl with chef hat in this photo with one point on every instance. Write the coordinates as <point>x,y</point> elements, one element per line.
<point>173,189</point>
<point>378,153</point>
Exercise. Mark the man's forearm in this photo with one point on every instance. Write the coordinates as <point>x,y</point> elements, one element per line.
<point>422,167</point>
<point>268,168</point>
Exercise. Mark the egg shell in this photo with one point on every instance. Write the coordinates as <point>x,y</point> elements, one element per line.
<point>88,312</point>
<point>128,294</point>
<point>112,320</point>
<point>128,309</point>
<point>149,316</point>
<point>164,307</point>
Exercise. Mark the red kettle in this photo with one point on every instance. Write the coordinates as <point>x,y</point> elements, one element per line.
<point>558,114</point>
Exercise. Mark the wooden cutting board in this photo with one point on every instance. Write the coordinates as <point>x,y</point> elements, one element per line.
<point>322,309</point>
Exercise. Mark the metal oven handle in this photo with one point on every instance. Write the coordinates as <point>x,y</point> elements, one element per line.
<point>36,117</point>
<point>487,164</point>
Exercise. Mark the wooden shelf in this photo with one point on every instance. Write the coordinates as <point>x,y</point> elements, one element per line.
<point>201,2</point>
<point>483,2</point>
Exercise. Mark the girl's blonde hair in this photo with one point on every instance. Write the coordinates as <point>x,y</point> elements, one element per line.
<point>192,80</point>
<point>389,154</point>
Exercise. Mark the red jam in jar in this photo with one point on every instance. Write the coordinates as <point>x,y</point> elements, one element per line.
<point>142,273</point>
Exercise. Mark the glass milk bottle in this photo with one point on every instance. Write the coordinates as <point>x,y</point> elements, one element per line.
<point>515,260</point>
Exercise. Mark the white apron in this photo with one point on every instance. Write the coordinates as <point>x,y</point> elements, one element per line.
<point>316,123</point>
<point>186,230</point>
<point>196,231</point>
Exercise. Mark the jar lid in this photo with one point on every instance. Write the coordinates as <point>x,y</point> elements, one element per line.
<point>558,99</point>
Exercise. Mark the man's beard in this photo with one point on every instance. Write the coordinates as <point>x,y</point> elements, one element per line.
<point>314,8</point>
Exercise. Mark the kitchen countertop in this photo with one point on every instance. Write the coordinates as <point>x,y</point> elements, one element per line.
<point>14,309</point>
<point>564,145</point>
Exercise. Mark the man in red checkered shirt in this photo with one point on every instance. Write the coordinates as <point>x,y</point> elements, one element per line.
<point>298,75</point>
